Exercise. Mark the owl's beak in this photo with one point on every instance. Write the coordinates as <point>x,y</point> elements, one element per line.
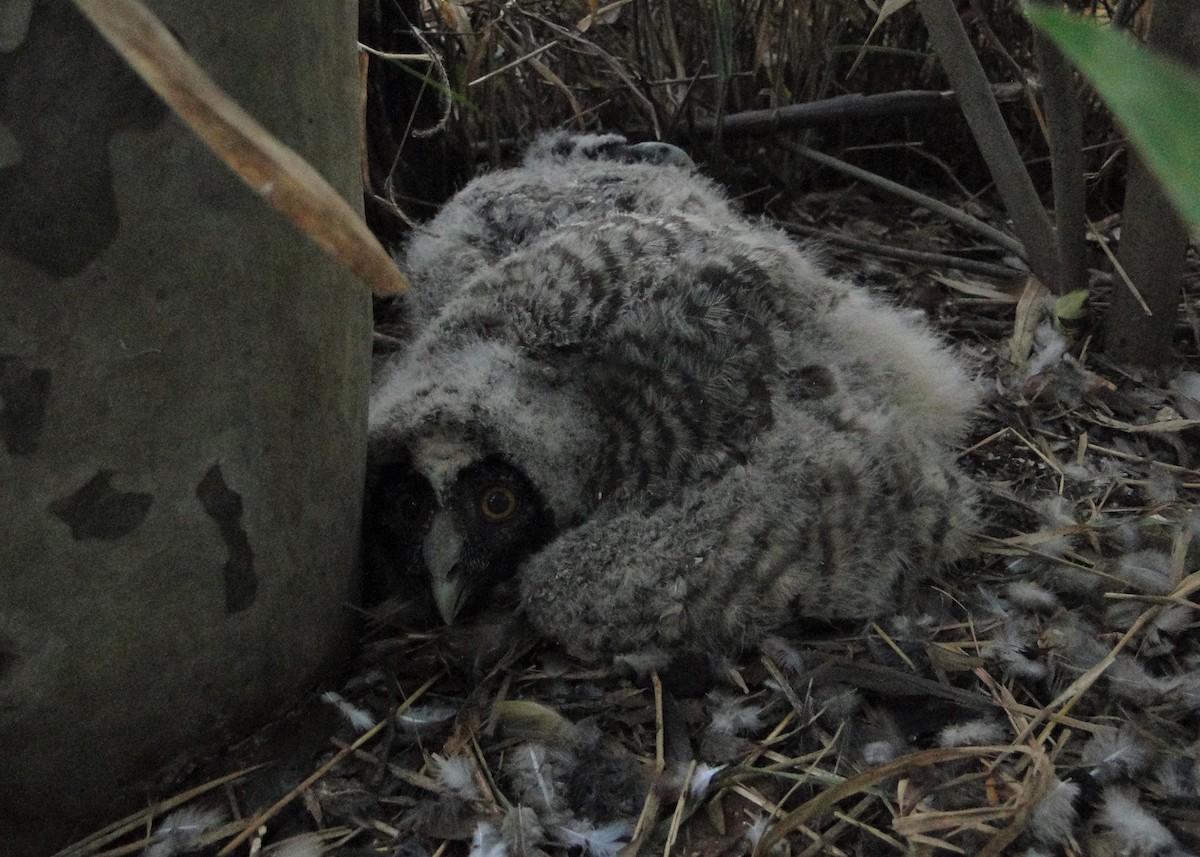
<point>442,551</point>
<point>449,597</point>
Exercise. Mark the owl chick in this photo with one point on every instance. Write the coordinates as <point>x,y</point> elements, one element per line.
<point>664,421</point>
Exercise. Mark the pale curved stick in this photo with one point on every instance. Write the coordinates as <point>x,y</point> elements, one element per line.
<point>275,172</point>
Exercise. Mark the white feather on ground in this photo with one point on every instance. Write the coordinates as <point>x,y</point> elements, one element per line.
<point>179,832</point>
<point>603,841</point>
<point>1055,816</point>
<point>487,842</point>
<point>1115,754</point>
<point>972,733</point>
<point>1138,832</point>
<point>457,776</point>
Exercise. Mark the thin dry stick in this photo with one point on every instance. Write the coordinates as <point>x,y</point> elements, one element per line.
<point>273,171</point>
<point>763,748</point>
<point>1036,450</point>
<point>200,840</point>
<point>1118,267</point>
<point>873,831</point>
<point>512,64</point>
<point>650,808</point>
<point>949,212</point>
<point>660,761</point>
<point>994,436</point>
<point>1066,700</point>
<point>1020,549</point>
<point>825,840</point>
<point>143,817</point>
<point>1042,774</point>
<point>677,816</point>
<point>1005,700</point>
<point>785,686</point>
<point>385,55</point>
<point>1129,456</point>
<point>870,778</point>
<point>493,788</point>
<point>616,66</point>
<point>894,646</point>
<point>1162,600</point>
<point>262,818</point>
<point>984,269</point>
<point>541,68</point>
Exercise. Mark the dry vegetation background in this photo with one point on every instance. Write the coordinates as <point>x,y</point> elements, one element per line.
<point>670,69</point>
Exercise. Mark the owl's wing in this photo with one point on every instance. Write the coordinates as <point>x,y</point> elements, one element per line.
<point>820,523</point>
<point>563,179</point>
<point>676,330</point>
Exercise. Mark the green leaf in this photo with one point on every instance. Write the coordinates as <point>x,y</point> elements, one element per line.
<point>1070,306</point>
<point>1156,100</point>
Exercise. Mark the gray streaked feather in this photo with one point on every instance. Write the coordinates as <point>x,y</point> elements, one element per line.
<point>726,437</point>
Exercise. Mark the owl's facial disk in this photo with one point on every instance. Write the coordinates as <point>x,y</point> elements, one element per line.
<point>489,520</point>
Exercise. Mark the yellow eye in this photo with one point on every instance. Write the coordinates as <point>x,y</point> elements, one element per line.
<point>498,503</point>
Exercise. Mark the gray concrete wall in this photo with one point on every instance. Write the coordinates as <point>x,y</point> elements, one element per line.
<point>183,383</point>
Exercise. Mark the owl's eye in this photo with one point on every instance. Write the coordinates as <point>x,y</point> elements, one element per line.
<point>498,503</point>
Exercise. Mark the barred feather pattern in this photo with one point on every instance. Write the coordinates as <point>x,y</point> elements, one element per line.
<point>825,530</point>
<point>726,436</point>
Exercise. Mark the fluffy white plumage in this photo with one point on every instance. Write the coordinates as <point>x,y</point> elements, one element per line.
<point>180,832</point>
<point>665,420</point>
<point>487,842</point>
<point>457,776</point>
<point>1134,829</point>
<point>1055,815</point>
<point>972,733</point>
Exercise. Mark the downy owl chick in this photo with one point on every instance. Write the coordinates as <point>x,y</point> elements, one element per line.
<point>665,421</point>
